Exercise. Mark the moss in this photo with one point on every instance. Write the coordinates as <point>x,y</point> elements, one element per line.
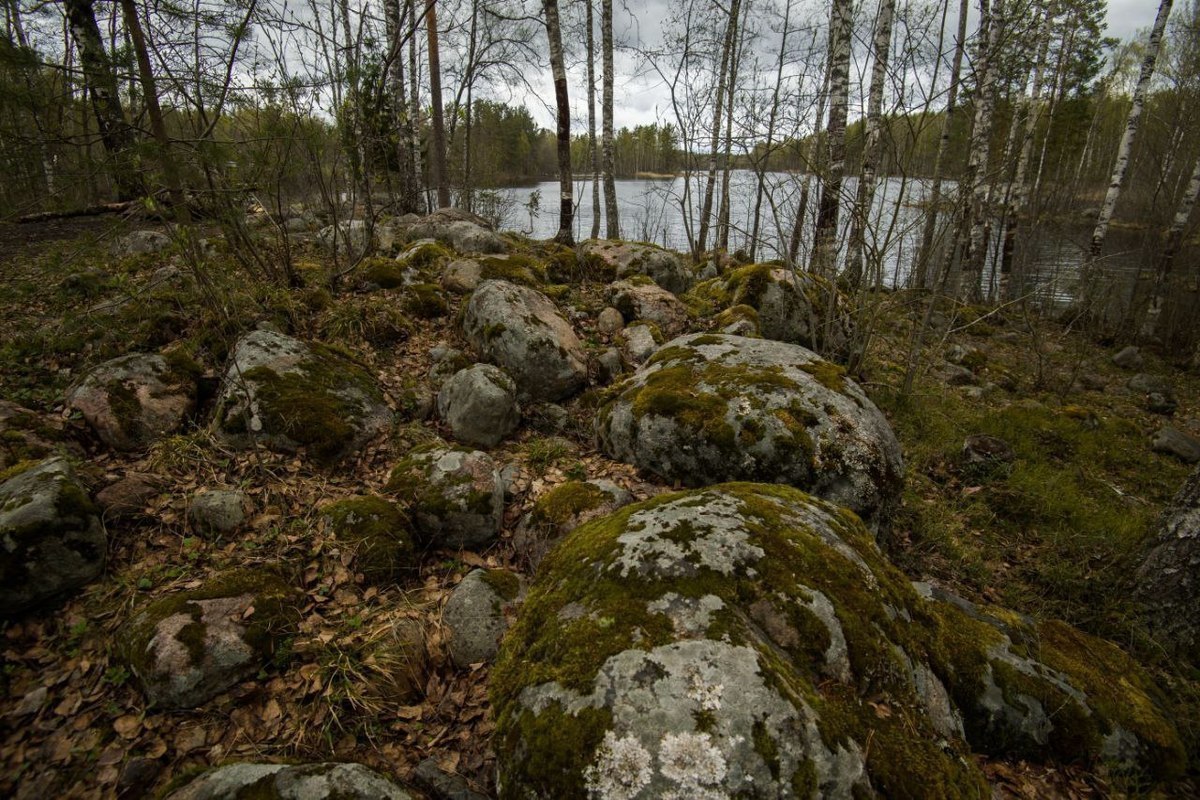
<point>828,374</point>
<point>425,300</point>
<point>425,256</point>
<point>18,468</point>
<point>515,268</point>
<point>125,407</point>
<point>736,314</point>
<point>566,502</point>
<point>379,533</point>
<point>747,285</point>
<point>182,367</point>
<point>764,745</point>
<point>554,743</point>
<point>503,582</point>
<point>386,273</point>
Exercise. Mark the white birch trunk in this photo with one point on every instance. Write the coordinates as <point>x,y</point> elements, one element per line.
<point>612,222</point>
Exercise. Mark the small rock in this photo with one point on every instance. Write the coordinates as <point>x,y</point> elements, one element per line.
<point>376,533</point>
<point>1008,337</point>
<point>560,511</point>
<point>954,375</point>
<point>128,496</point>
<point>983,449</point>
<point>610,321</point>
<point>1159,403</point>
<point>609,365</point>
<point>140,243</point>
<point>966,356</point>
<point>1143,383</point>
<point>480,405</point>
<point>639,343</point>
<point>1129,358</point>
<point>1174,442</point>
<point>290,782</point>
<point>474,614</point>
<point>444,362</point>
<point>708,271</point>
<point>1093,382</point>
<point>218,510</point>
<point>443,785</point>
<point>549,418</point>
<point>462,276</point>
<point>455,494</point>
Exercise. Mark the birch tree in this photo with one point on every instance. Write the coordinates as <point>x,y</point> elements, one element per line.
<point>841,21</point>
<point>566,189</point>
<point>718,118</point>
<point>611,215</point>
<point>437,157</point>
<point>593,154</point>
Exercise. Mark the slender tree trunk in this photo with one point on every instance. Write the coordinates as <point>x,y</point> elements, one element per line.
<point>771,119</point>
<point>468,194</point>
<point>415,115</point>
<point>865,195</point>
<point>1162,300</point>
<point>718,118</point>
<point>101,77</point>
<point>813,165</point>
<point>437,157</point>
<point>723,212</point>
<point>841,20</point>
<point>593,152</point>
<point>611,214</point>
<point>1130,134</point>
<point>566,188</point>
<point>397,18</point>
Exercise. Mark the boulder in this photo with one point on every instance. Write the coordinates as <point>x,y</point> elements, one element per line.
<point>348,238</point>
<point>219,510</point>
<point>127,496</point>
<point>1129,358</point>
<point>288,394</point>
<point>455,494</point>
<point>1144,383</point>
<point>376,534</point>
<point>623,259</point>
<point>479,404</point>
<point>1168,579</point>
<point>444,362</point>
<point>462,276</point>
<point>955,375</point>
<point>135,399</point>
<point>609,365</point>
<point>521,330</point>
<point>610,321</point>
<point>966,355</point>
<point>474,614</point>
<point>646,300</point>
<point>461,230</point>
<point>188,647</point>
<point>560,511</point>
<point>640,341</point>
<point>140,243</point>
<point>51,539</point>
<point>749,640</point>
<point>290,782</point>
<point>708,408</point>
<point>1174,442</point>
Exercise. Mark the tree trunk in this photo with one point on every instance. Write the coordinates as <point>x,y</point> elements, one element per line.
<point>566,188</point>
<point>813,165</point>
<point>1130,134</point>
<point>723,212</point>
<point>865,196</point>
<point>1162,304</point>
<point>611,214</point>
<point>414,102</point>
<point>718,118</point>
<point>396,19</point>
<point>437,157</point>
<point>841,19</point>
<point>101,77</point>
<point>771,120</point>
<point>593,152</point>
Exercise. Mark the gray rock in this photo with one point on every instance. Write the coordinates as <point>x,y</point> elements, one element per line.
<point>521,330</point>
<point>141,243</point>
<point>444,362</point>
<point>610,321</point>
<point>288,394</point>
<point>965,355</point>
<point>1143,383</point>
<point>560,511</point>
<point>218,510</point>
<point>1159,403</point>
<point>631,258</point>
<point>638,343</point>
<point>462,276</point>
<point>350,237</point>
<point>1174,442</point>
<point>128,496</point>
<point>480,405</point>
<point>1168,579</point>
<point>708,408</point>
<point>1129,358</point>
<point>133,400</point>
<point>51,539</point>
<point>984,450</point>
<point>954,375</point>
<point>651,303</point>
<point>708,271</point>
<point>609,365</point>
<point>465,232</point>
<point>549,418</point>
<point>474,615</point>
<point>1093,382</point>
<point>188,647</point>
<point>456,494</point>
<point>27,435</point>
<point>290,782</point>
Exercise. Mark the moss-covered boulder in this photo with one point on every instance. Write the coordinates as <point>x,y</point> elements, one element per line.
<point>521,330</point>
<point>26,435</point>
<point>791,305</point>
<point>1168,579</point>
<point>289,782</point>
<point>475,614</point>
<point>455,494</point>
<point>708,408</point>
<point>646,300</point>
<point>749,640</point>
<point>135,399</point>
<point>624,259</point>
<point>479,404</point>
<point>461,230</point>
<point>288,394</point>
<point>51,539</point>
<point>188,647</point>
<point>560,511</point>
<point>377,533</point>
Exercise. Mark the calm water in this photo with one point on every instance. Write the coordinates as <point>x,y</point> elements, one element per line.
<point>662,211</point>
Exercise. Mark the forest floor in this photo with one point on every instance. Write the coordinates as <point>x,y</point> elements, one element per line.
<point>1054,535</point>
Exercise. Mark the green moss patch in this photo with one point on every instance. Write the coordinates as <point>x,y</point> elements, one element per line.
<point>379,534</point>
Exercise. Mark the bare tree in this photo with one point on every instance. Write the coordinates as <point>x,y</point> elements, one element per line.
<point>593,153</point>
<point>718,118</point>
<point>566,188</point>
<point>611,214</point>
<point>438,173</point>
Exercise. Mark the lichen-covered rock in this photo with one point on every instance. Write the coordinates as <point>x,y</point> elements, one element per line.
<point>377,533</point>
<point>792,306</point>
<point>521,330</point>
<point>475,614</point>
<point>1168,579</point>
<point>560,511</point>
<point>218,510</point>
<point>1129,357</point>
<point>51,539</point>
<point>480,405</point>
<point>289,394</point>
<point>623,259</point>
<point>348,238</point>
<point>646,300</point>
<point>455,494</point>
<point>751,640</point>
<point>462,276</point>
<point>141,243</point>
<point>290,782</point>
<point>132,400</point>
<point>708,408</point>
<point>188,647</point>
<point>465,232</point>
<point>416,264</point>
<point>639,341</point>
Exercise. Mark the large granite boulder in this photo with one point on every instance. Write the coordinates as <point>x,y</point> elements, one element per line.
<point>522,331</point>
<point>479,404</point>
<point>289,394</point>
<point>188,647</point>
<point>290,782</point>
<point>462,230</point>
<point>708,408</point>
<point>749,640</point>
<point>645,300</point>
<point>455,494</point>
<point>624,259</point>
<point>51,539</point>
<point>132,400</point>
<point>1168,579</point>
